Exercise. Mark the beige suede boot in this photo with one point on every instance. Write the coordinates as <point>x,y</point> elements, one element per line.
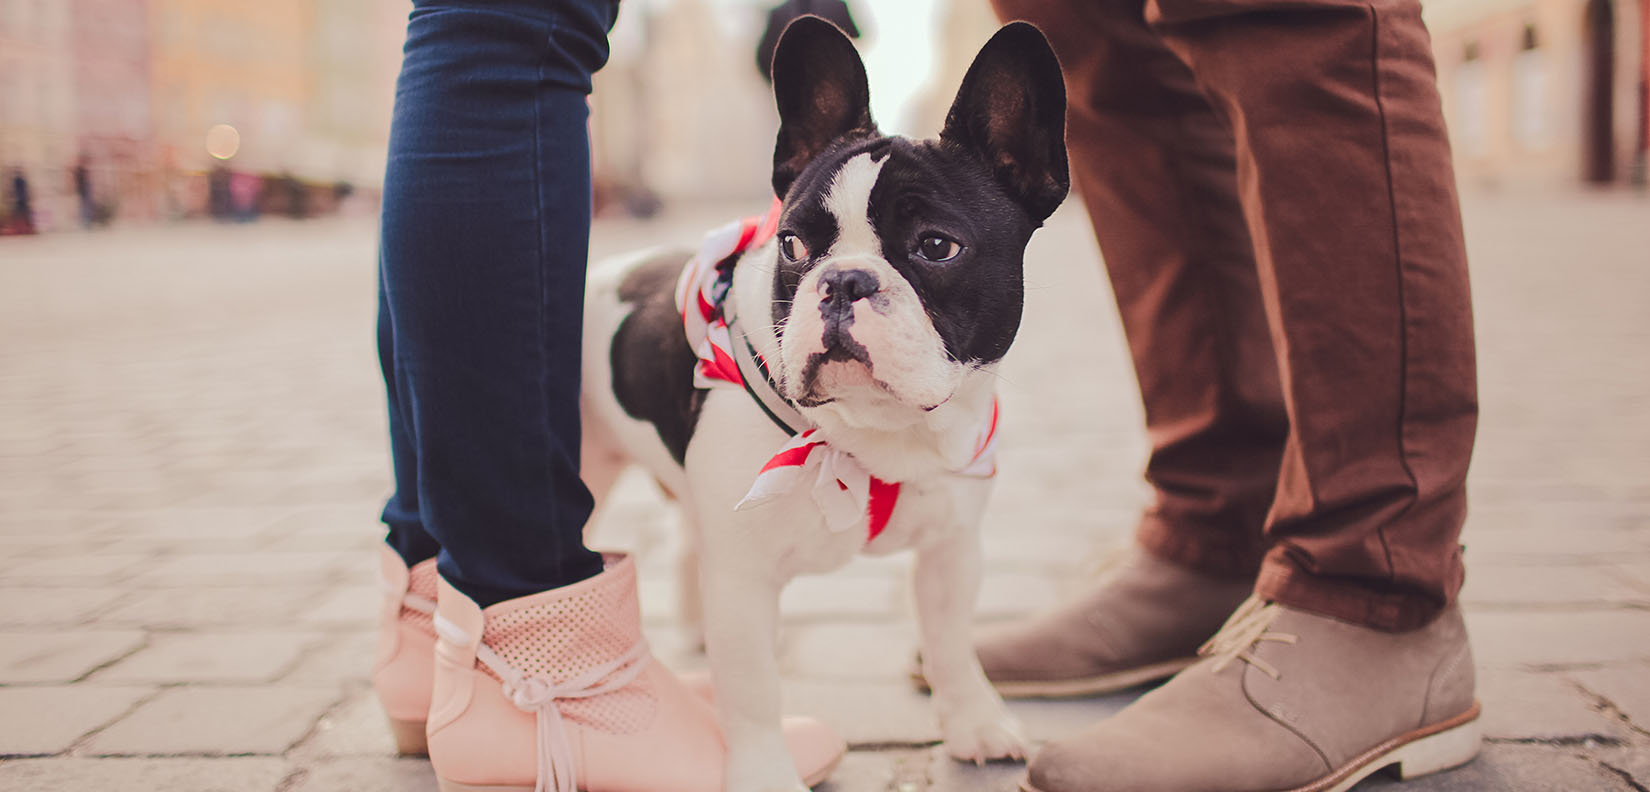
<point>1143,621</point>
<point>406,648</point>
<point>1285,701</point>
<point>558,691</point>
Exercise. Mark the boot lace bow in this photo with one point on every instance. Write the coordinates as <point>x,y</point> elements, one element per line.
<point>1248,626</point>
<point>535,694</point>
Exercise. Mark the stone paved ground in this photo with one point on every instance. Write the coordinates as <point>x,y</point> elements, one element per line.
<point>192,453</point>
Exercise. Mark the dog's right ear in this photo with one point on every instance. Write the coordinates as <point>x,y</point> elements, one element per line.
<point>819,85</point>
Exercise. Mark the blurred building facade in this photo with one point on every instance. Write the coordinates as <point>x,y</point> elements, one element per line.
<point>1542,93</point>
<point>680,113</point>
<point>117,97</point>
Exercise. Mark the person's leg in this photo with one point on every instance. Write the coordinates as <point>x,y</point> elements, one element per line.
<point>1352,656</point>
<point>537,643</point>
<point>406,534</point>
<point>1345,171</point>
<point>1156,170</point>
<point>1155,166</point>
<point>485,232</point>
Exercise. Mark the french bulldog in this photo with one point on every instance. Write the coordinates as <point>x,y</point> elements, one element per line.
<point>820,382</point>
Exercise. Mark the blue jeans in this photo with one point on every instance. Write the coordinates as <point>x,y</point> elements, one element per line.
<point>485,232</point>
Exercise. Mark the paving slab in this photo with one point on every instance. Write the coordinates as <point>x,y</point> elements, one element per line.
<point>1541,639</point>
<point>50,719</point>
<point>1513,768</point>
<point>1636,574</point>
<point>235,774</point>
<point>1549,587</point>
<point>206,569</point>
<point>61,656</point>
<point>367,775</point>
<point>1520,705</point>
<point>211,657</point>
<point>195,607</point>
<point>1015,594</point>
<point>839,597</point>
<point>849,651</point>
<point>866,712</point>
<point>217,721</point>
<point>881,771</point>
<point>53,607</point>
<point>75,570</point>
<point>354,605</point>
<point>354,728</point>
<point>945,773</point>
<point>1633,763</point>
<point>1625,689</point>
<point>336,657</point>
<point>350,527</point>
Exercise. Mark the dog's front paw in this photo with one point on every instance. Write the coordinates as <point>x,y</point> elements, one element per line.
<point>984,735</point>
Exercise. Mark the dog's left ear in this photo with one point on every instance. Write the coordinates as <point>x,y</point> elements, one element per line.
<point>819,85</point>
<point>1011,112</point>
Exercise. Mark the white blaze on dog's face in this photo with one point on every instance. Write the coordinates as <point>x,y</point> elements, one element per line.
<point>899,266</point>
<point>856,330</point>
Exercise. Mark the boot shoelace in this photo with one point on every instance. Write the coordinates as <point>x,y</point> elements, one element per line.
<point>1247,627</point>
<point>418,602</point>
<point>539,696</point>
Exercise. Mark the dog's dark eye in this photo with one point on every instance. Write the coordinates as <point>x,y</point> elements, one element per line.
<point>938,248</point>
<point>791,245</point>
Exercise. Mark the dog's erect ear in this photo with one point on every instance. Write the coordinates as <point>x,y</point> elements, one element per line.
<point>1011,112</point>
<point>819,85</point>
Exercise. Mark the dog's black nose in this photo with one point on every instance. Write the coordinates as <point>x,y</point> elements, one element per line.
<point>844,286</point>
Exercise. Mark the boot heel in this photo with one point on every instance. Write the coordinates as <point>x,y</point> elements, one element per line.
<point>409,737</point>
<point>1442,751</point>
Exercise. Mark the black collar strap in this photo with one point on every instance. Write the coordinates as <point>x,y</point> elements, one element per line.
<point>765,393</point>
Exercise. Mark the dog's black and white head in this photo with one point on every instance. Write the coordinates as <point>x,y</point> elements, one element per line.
<point>898,273</point>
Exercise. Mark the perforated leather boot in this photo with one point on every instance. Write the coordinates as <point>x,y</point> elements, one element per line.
<point>558,691</point>
<point>405,661</point>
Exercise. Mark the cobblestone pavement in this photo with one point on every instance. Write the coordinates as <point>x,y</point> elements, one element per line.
<point>192,456</point>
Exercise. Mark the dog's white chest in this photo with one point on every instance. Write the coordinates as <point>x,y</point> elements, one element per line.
<point>729,449</point>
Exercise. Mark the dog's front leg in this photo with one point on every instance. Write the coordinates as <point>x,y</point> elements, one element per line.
<point>741,611</point>
<point>976,724</point>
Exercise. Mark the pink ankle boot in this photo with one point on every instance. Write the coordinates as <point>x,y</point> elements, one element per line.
<point>406,649</point>
<point>558,691</point>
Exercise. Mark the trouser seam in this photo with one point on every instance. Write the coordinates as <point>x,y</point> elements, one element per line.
<point>1398,264</point>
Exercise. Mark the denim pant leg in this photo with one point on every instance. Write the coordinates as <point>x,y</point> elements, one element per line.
<point>486,225</point>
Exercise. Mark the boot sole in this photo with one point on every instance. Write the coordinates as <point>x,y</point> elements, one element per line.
<point>1078,688</point>
<point>1441,746</point>
<point>818,777</point>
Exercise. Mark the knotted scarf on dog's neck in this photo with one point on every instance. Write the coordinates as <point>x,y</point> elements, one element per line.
<point>842,488</point>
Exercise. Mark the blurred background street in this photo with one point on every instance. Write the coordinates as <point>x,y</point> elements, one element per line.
<point>192,458</point>
<point>192,450</point>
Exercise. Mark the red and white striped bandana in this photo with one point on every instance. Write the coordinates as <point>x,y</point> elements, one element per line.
<point>702,287</point>
<point>844,490</point>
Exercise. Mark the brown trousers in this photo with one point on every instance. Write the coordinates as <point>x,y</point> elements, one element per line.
<point>1271,187</point>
